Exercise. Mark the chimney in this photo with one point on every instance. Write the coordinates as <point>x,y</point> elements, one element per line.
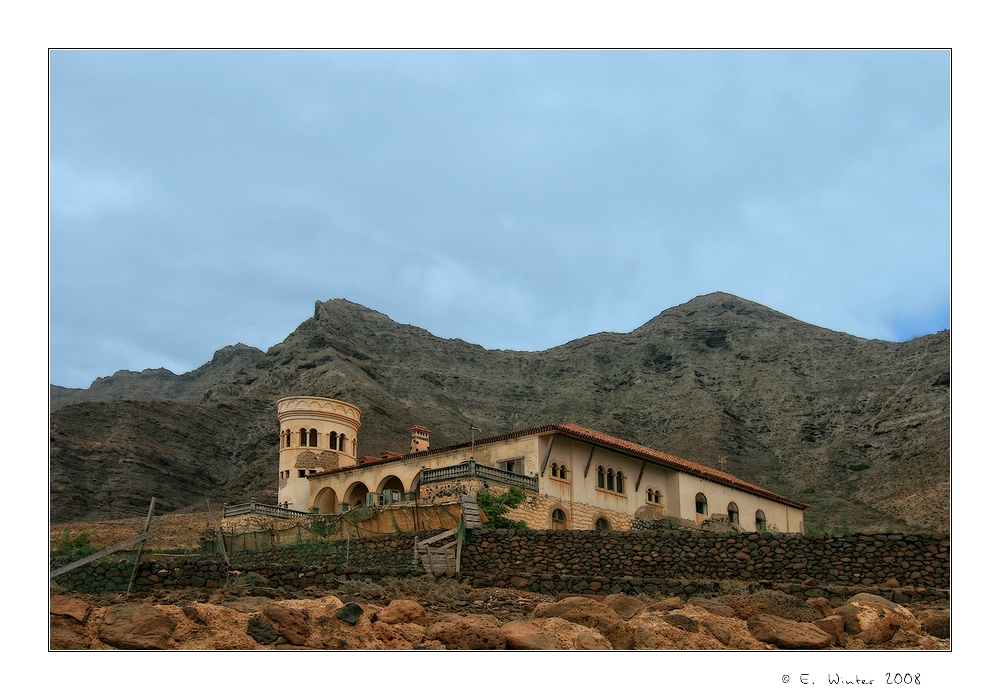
<point>420,439</point>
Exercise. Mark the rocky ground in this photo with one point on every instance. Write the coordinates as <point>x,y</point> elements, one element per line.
<point>442,613</point>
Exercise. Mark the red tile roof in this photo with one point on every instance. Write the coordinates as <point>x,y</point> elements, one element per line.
<point>609,442</point>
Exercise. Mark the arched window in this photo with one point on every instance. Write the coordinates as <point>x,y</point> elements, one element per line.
<point>313,438</point>
<point>558,519</point>
<point>649,495</point>
<point>701,504</point>
<point>354,448</point>
<point>562,471</point>
<point>734,513</point>
<point>602,525</point>
<point>620,483</point>
<point>656,497</point>
<point>600,477</point>
<point>760,521</point>
<point>303,437</point>
<point>555,469</point>
<point>333,441</point>
<point>343,442</point>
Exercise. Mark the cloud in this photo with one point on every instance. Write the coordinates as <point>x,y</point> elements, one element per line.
<point>516,200</point>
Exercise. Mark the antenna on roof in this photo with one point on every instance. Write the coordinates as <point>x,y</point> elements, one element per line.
<point>473,429</point>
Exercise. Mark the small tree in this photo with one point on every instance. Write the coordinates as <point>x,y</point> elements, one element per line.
<point>496,507</point>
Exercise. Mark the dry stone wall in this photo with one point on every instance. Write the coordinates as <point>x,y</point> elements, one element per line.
<point>684,563</point>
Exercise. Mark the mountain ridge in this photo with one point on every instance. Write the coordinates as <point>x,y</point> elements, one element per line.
<point>814,414</point>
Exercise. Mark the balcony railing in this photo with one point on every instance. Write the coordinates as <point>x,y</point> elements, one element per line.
<point>229,511</point>
<point>472,469</point>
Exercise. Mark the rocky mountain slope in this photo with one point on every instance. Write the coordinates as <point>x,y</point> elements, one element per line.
<point>160,384</point>
<point>858,428</point>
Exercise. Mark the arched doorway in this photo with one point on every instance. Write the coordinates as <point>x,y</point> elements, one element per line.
<point>326,501</point>
<point>391,490</point>
<point>558,519</point>
<point>356,495</point>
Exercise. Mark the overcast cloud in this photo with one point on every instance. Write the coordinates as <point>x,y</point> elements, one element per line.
<point>515,200</point>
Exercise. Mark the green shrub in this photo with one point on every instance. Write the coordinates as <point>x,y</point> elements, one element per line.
<point>496,507</point>
<point>76,547</point>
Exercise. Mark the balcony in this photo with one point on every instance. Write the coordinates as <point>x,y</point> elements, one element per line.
<point>473,469</point>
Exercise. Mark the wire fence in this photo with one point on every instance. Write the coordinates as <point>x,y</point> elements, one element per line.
<point>360,523</point>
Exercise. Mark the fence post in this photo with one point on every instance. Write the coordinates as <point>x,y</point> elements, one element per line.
<point>218,534</point>
<point>138,554</point>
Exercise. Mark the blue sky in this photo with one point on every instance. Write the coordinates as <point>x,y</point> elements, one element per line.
<point>512,199</point>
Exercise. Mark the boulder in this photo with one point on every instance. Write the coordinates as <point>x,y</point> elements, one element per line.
<point>69,607</point>
<point>410,631</point>
<point>833,626</point>
<point>389,637</point>
<point>191,613</point>
<point>573,636</point>
<point>873,619</point>
<point>521,634</point>
<point>467,632</point>
<point>292,624</point>
<point>720,632</point>
<point>935,622</point>
<point>399,611</point>
<point>589,613</point>
<point>681,622</point>
<point>350,613</point>
<point>669,631</point>
<point>773,603</point>
<point>136,626</point>
<point>666,605</point>
<point>822,606</point>
<point>261,631</point>
<point>624,605</point>
<point>591,640</point>
<point>788,634</point>
<point>712,606</point>
<point>332,630</point>
<point>64,634</point>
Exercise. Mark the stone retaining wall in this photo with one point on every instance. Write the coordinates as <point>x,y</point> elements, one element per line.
<point>858,559</point>
<point>906,568</point>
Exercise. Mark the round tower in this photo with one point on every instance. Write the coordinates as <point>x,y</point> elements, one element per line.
<point>316,435</point>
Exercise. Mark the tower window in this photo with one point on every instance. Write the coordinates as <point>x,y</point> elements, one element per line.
<point>313,438</point>
<point>303,437</point>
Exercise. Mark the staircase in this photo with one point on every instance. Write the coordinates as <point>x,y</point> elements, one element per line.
<point>470,512</point>
<point>438,555</point>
